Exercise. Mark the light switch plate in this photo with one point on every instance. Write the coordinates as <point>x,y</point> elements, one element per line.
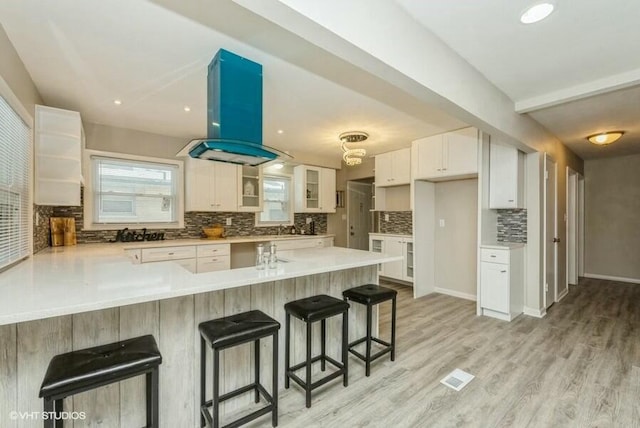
<point>441,222</point>
<point>386,217</point>
<point>309,220</point>
<point>229,221</point>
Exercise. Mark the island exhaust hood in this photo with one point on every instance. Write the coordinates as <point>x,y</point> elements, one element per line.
<point>234,114</point>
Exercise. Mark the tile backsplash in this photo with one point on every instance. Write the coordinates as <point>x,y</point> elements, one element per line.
<point>400,222</point>
<point>512,225</point>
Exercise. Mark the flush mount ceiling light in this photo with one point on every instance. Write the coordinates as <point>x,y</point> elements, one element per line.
<point>605,138</point>
<point>352,156</point>
<point>117,102</point>
<point>536,13</point>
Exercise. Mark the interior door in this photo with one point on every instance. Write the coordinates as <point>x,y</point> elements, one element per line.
<point>359,220</point>
<point>550,231</point>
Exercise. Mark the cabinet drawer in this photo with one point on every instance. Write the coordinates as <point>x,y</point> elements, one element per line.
<point>212,264</point>
<point>494,256</point>
<point>214,250</point>
<point>168,253</point>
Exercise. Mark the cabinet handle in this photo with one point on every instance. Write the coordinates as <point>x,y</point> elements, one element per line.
<point>439,169</point>
<point>503,271</point>
<point>171,254</point>
<point>510,200</point>
<point>493,255</point>
<point>444,169</point>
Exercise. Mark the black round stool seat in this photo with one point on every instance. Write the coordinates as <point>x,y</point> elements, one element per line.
<point>316,308</point>
<point>371,295</point>
<point>85,369</point>
<point>221,333</point>
<point>310,310</point>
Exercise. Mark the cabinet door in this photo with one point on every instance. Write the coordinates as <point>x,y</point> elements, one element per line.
<point>429,162</point>
<point>494,287</point>
<point>408,261</point>
<point>328,190</point>
<point>376,245</point>
<point>249,188</point>
<point>401,165</point>
<point>460,156</point>
<point>384,169</point>
<point>393,247</point>
<point>213,264</point>
<point>503,176</point>
<point>225,187</point>
<point>198,185</point>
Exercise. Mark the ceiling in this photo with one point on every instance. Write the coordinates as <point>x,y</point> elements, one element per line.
<point>555,70</point>
<point>84,55</point>
<point>577,73</point>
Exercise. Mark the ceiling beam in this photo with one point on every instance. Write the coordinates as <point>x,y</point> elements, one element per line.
<point>578,92</point>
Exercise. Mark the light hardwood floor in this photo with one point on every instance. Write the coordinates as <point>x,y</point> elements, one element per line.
<point>577,367</point>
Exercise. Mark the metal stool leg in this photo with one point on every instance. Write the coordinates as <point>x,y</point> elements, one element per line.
<point>308,366</point>
<point>323,343</point>
<point>287,328</point>
<point>203,378</point>
<point>49,409</point>
<point>368,341</point>
<point>58,408</point>
<point>152,398</point>
<point>256,346</point>
<point>216,384</point>
<point>345,347</point>
<point>393,329</point>
<point>274,387</point>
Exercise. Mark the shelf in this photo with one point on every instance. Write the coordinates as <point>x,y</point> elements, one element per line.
<point>250,196</point>
<point>252,177</point>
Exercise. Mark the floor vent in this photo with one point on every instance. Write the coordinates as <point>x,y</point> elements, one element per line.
<point>457,379</point>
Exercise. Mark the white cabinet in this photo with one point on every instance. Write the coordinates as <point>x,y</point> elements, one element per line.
<point>301,243</point>
<point>394,245</point>
<point>506,177</point>
<point>453,155</point>
<point>393,168</point>
<point>502,281</point>
<point>315,189</point>
<point>249,188</point>
<point>210,186</point>
<point>58,152</point>
<point>213,257</point>
<point>194,258</point>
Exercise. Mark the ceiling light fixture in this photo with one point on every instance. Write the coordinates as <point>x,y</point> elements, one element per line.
<point>605,138</point>
<point>352,156</point>
<point>536,13</point>
<point>187,109</point>
<point>280,131</point>
<point>117,102</point>
<point>278,165</point>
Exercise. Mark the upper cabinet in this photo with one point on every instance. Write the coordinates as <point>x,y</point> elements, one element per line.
<point>315,189</point>
<point>392,168</point>
<point>210,186</point>
<point>249,188</point>
<point>453,155</point>
<point>506,177</point>
<point>58,154</point>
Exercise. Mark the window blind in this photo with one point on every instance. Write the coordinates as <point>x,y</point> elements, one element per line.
<point>15,167</point>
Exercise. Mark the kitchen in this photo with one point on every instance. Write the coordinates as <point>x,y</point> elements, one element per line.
<point>450,222</point>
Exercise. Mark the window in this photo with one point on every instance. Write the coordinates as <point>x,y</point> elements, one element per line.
<point>15,173</point>
<point>277,205</point>
<point>134,192</point>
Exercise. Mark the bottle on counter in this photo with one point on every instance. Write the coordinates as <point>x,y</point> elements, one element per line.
<point>261,259</point>
<point>273,256</point>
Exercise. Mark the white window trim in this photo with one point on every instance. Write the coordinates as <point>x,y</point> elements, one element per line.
<point>259,223</point>
<point>89,200</point>
<point>17,106</point>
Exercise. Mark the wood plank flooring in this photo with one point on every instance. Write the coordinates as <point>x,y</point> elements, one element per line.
<point>577,367</point>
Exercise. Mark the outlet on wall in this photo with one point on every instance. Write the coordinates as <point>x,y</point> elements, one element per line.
<point>229,221</point>
<point>386,217</point>
<point>309,220</point>
<point>441,222</point>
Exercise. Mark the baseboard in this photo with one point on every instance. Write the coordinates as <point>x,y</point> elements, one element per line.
<point>454,293</point>
<point>612,278</point>
<point>563,295</point>
<point>538,313</point>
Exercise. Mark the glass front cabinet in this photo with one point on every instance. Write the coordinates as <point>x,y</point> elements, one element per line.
<point>250,188</point>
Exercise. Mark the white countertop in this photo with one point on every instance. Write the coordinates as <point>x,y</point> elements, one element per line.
<point>68,280</point>
<point>503,245</point>
<point>401,235</point>
<point>230,240</point>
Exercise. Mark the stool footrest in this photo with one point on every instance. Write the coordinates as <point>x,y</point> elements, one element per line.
<point>375,339</point>
<point>290,373</point>
<point>204,409</point>
<point>373,357</point>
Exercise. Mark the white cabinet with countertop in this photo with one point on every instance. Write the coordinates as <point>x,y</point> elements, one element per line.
<point>448,156</point>
<point>58,153</point>
<point>314,189</point>
<point>502,280</point>
<point>210,185</point>
<point>393,168</point>
<point>506,177</point>
<point>394,245</point>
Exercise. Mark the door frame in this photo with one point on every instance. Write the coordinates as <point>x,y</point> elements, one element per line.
<point>548,157</point>
<point>350,184</point>
<point>573,221</point>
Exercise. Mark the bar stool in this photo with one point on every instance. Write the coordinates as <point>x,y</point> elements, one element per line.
<point>226,332</point>
<point>310,310</point>
<point>82,370</point>
<point>370,295</point>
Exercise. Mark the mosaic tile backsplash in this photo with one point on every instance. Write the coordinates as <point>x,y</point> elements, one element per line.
<point>512,225</point>
<point>400,222</point>
<point>243,224</point>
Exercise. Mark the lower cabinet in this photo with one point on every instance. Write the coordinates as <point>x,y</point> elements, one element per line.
<point>394,245</point>
<point>502,281</point>
<point>300,243</point>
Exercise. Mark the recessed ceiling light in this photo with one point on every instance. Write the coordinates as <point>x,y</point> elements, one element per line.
<point>536,13</point>
<point>187,108</point>
<point>280,131</point>
<point>117,102</point>
<point>278,165</point>
<point>605,138</point>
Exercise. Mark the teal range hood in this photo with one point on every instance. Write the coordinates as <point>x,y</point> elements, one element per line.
<point>234,114</point>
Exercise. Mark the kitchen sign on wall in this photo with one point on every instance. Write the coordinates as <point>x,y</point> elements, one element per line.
<point>126,235</point>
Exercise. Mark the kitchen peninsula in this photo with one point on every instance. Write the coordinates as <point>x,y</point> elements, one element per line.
<point>70,298</point>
